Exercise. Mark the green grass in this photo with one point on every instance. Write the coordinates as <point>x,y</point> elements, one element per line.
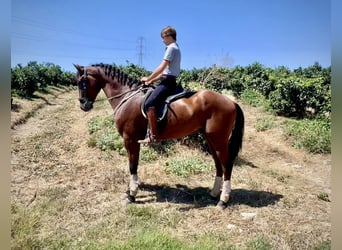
<point>138,227</point>
<point>255,99</point>
<point>104,135</point>
<point>325,245</point>
<point>185,167</point>
<point>259,243</point>
<point>311,135</point>
<point>265,123</point>
<point>26,225</point>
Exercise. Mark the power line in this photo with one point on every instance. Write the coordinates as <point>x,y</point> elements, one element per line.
<point>140,54</point>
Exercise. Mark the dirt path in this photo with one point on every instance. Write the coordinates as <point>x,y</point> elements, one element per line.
<point>51,147</point>
<point>279,184</point>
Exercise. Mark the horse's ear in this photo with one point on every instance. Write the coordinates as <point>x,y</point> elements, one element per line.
<point>78,67</point>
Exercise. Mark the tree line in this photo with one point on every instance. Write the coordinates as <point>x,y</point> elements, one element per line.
<point>302,92</point>
<point>25,80</point>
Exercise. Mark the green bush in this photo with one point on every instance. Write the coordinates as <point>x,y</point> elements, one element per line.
<point>217,78</point>
<point>24,80</point>
<point>256,77</point>
<point>312,135</point>
<point>301,97</point>
<point>252,97</point>
<point>287,98</point>
<point>32,77</point>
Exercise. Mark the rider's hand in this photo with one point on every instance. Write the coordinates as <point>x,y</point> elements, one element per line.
<point>145,80</point>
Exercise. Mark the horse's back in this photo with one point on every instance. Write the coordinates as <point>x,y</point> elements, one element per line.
<point>210,101</point>
<point>188,115</point>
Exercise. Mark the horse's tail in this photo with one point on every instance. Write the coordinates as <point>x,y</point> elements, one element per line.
<point>235,141</point>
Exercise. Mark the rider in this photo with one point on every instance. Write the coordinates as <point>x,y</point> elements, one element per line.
<point>167,71</point>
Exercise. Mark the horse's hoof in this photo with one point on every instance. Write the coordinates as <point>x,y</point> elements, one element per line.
<point>221,205</point>
<point>129,198</point>
<point>213,198</point>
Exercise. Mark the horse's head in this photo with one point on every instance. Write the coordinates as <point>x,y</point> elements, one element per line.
<point>88,86</point>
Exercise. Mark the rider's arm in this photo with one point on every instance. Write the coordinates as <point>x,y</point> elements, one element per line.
<point>157,73</point>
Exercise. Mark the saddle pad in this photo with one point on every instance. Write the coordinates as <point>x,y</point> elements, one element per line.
<point>163,108</point>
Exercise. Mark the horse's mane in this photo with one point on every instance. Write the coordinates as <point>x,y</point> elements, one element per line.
<point>114,72</point>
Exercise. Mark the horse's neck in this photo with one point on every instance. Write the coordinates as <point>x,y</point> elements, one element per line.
<point>113,92</point>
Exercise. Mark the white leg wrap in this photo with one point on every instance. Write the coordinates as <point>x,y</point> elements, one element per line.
<point>133,185</point>
<point>217,187</point>
<point>226,189</point>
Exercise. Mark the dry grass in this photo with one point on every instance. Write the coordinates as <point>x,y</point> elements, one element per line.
<point>65,193</point>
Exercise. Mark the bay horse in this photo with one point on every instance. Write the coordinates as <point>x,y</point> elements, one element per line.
<point>218,117</point>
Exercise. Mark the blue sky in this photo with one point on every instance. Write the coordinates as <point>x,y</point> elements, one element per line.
<point>289,33</point>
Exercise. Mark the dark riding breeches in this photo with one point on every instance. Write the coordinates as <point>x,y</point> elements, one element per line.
<point>166,87</point>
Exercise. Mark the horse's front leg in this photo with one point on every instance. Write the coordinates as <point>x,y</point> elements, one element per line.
<point>133,149</point>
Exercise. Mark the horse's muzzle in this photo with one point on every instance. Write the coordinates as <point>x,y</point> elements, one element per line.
<point>85,104</point>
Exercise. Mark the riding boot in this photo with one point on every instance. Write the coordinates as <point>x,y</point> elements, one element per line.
<point>152,127</point>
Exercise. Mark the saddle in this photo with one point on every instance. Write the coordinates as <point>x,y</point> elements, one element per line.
<point>163,108</point>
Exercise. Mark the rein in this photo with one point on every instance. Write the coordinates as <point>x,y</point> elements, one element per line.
<point>136,91</point>
<point>124,93</point>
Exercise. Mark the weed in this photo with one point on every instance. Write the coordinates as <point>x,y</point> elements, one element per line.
<point>279,177</point>
<point>323,196</point>
<point>259,243</point>
<point>185,167</point>
<point>325,245</point>
<point>92,141</point>
<point>25,227</point>
<point>148,154</point>
<point>110,139</point>
<point>264,123</point>
<point>144,213</point>
<point>98,123</point>
<point>104,135</point>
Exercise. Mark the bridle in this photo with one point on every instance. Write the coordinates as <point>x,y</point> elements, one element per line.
<point>82,85</point>
<point>86,104</point>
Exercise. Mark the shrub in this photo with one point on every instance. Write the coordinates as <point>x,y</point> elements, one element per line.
<point>301,97</point>
<point>312,135</point>
<point>252,97</point>
<point>286,99</point>
<point>24,80</point>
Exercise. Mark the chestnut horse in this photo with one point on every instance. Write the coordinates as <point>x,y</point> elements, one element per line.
<point>218,117</point>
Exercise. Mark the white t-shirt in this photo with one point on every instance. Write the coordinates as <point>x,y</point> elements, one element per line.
<point>173,55</point>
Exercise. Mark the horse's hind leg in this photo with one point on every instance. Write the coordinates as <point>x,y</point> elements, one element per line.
<point>219,148</point>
